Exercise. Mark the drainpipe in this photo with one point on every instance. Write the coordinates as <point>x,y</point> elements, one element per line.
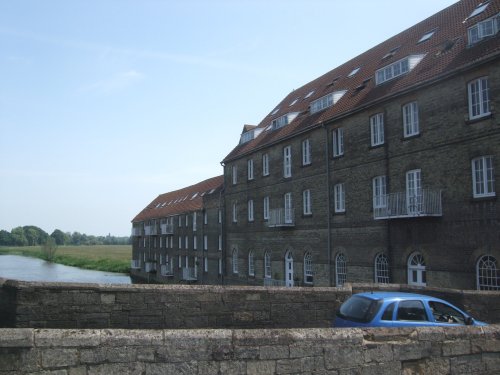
<point>221,226</point>
<point>329,224</point>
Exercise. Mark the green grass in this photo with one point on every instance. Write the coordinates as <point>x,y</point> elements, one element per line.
<point>111,258</point>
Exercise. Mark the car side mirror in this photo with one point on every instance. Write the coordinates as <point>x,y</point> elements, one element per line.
<point>469,321</point>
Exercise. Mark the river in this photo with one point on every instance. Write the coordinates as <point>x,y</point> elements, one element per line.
<point>33,269</point>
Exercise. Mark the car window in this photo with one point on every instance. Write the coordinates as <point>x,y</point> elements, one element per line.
<point>411,310</point>
<point>444,313</point>
<point>359,309</point>
<point>389,311</point>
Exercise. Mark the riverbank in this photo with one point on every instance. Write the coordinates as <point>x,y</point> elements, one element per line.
<point>109,258</point>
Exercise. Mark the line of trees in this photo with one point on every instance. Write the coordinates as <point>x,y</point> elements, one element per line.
<point>30,235</point>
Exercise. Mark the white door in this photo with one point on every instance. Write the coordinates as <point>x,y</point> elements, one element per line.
<point>416,270</point>
<point>413,192</point>
<point>289,269</point>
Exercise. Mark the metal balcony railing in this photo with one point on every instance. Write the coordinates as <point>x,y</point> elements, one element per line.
<point>274,282</point>
<point>402,205</point>
<point>166,270</point>
<point>281,217</point>
<point>150,267</point>
<point>167,229</point>
<point>136,231</point>
<point>150,230</point>
<point>189,274</point>
<point>135,264</point>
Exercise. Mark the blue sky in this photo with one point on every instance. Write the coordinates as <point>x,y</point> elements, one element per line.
<point>105,104</point>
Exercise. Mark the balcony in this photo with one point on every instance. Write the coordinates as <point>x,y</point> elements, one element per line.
<point>150,267</point>
<point>167,229</point>
<point>135,264</point>
<point>166,270</point>
<point>136,231</point>
<point>189,274</point>
<point>400,205</point>
<point>281,217</point>
<point>150,230</point>
<point>273,282</point>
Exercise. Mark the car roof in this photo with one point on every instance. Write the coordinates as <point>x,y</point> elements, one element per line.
<point>396,296</point>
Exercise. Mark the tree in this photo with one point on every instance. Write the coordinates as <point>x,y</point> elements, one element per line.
<point>18,237</point>
<point>49,249</point>
<point>60,237</point>
<point>6,238</point>
<point>34,235</point>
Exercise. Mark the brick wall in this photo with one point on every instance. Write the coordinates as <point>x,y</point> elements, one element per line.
<point>276,351</point>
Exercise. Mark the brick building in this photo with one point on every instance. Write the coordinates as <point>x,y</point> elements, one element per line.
<point>381,170</point>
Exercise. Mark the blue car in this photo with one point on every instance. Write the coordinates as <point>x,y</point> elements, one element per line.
<point>394,309</point>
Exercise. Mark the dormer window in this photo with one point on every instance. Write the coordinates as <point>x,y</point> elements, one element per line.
<point>249,135</point>
<point>283,120</point>
<point>484,29</point>
<point>397,69</point>
<point>326,101</point>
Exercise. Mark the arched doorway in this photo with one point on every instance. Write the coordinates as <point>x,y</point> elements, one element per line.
<point>416,270</point>
<point>289,268</point>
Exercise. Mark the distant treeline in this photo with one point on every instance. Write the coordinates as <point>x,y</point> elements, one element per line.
<point>33,236</point>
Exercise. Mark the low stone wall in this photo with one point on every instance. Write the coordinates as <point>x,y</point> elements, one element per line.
<point>455,350</point>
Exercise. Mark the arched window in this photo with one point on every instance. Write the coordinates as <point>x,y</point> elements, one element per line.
<point>267,265</point>
<point>235,261</point>
<point>488,277</point>
<point>416,270</point>
<point>308,268</point>
<point>340,269</point>
<point>382,269</point>
<point>251,264</point>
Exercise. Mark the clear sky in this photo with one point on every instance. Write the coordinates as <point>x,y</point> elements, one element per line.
<point>105,104</point>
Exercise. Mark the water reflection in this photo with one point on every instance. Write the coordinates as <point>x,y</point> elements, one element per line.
<point>32,269</point>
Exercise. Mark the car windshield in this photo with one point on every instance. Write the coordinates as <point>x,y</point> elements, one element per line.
<point>359,309</point>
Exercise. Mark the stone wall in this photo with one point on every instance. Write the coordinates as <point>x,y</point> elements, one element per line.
<point>65,305</point>
<point>457,350</point>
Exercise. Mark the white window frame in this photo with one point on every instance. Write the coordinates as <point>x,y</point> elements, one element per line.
<point>265,164</point>
<point>220,242</point>
<point>235,261</point>
<point>250,169</point>
<point>267,265</point>
<point>340,269</point>
<point>397,69</point>
<point>483,29</point>
<point>219,215</point>
<point>235,212</point>
<point>205,217</point>
<point>234,174</point>
<point>414,192</point>
<point>417,274</point>
<point>287,161</point>
<point>180,242</point>
<point>339,197</point>
<point>251,264</point>
<point>266,207</point>
<point>410,119</point>
<point>483,177</point>
<point>250,210</point>
<point>180,261</point>
<point>382,269</point>
<point>186,242</point>
<point>487,273</point>
<point>308,269</point>
<point>338,142</point>
<point>205,242</point>
<point>379,185</point>
<point>306,152</point>
<point>478,95</point>
<point>306,202</point>
<point>194,222</point>
<point>205,264</point>
<point>195,243</point>
<point>288,203</point>
<point>377,129</point>
<point>220,266</point>
<point>326,101</point>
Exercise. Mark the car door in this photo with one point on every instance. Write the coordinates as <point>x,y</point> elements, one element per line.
<point>411,313</point>
<point>444,314</point>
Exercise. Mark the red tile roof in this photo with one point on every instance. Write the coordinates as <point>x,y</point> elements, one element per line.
<point>184,200</point>
<point>446,53</point>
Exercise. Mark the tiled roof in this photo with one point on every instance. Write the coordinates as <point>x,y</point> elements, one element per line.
<point>184,200</point>
<point>446,52</point>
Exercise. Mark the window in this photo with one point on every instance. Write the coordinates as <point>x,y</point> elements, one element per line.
<point>265,165</point>
<point>306,152</point>
<point>187,221</point>
<point>308,269</point>
<point>180,221</point>
<point>235,261</point>
<point>250,169</point>
<point>326,101</point>
<point>220,266</point>
<point>266,208</point>
<point>397,68</point>
<point>180,242</point>
<point>488,277</point>
<point>251,264</point>
<point>250,210</point>
<point>483,180</point>
<point>479,9</point>
<point>235,213</point>
<point>382,269</point>
<point>194,221</point>
<point>479,102</point>
<point>411,310</point>
<point>377,129</point>
<point>483,29</point>
<point>267,265</point>
<point>179,260</point>
<point>338,142</point>
<point>205,217</point>
<point>220,242</point>
<point>306,199</point>
<point>288,208</point>
<point>340,269</point>
<point>219,214</point>
<point>205,242</point>
<point>283,120</point>
<point>410,119</point>
<point>379,192</point>
<point>426,36</point>
<point>287,161</point>
<point>309,94</point>
<point>205,264</point>
<point>416,270</point>
<point>353,72</point>
<point>414,196</point>
<point>339,198</point>
<point>235,174</point>
<point>186,242</point>
<point>195,243</point>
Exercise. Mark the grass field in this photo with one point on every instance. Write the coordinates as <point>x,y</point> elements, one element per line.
<point>113,258</point>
